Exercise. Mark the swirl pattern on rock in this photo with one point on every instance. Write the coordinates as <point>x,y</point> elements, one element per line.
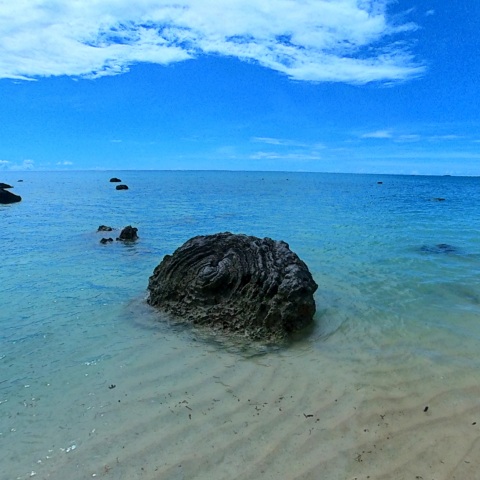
<point>254,287</point>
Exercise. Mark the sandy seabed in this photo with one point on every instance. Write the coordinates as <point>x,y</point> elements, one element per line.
<point>173,407</point>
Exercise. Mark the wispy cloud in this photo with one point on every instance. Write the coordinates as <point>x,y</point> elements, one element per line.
<point>25,165</point>
<point>297,156</point>
<point>377,134</point>
<point>281,142</point>
<point>434,138</point>
<point>287,150</point>
<point>312,40</point>
<point>398,137</point>
<point>412,137</point>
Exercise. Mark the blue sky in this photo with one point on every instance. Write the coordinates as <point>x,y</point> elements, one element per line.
<point>363,86</point>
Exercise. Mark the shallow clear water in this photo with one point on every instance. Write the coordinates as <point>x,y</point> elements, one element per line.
<point>397,270</point>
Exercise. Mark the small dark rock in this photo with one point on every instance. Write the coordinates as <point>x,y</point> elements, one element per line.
<point>5,185</point>
<point>379,183</point>
<point>250,287</point>
<point>20,180</point>
<point>106,240</point>
<point>104,228</point>
<point>128,234</point>
<point>7,197</point>
<point>121,187</point>
<point>439,248</point>
<point>438,199</point>
<point>115,179</point>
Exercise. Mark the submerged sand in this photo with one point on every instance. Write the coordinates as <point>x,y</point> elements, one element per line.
<point>170,406</point>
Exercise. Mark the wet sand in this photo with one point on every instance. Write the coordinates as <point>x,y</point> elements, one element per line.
<point>173,407</point>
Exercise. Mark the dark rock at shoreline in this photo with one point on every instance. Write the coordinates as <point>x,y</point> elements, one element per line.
<point>104,228</point>
<point>5,185</point>
<point>121,187</point>
<point>115,179</point>
<point>238,284</point>
<point>7,197</point>
<point>128,234</point>
<point>106,240</point>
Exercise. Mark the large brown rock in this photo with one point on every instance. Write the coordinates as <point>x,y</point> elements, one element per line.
<point>254,287</point>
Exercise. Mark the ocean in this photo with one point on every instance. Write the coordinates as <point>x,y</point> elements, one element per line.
<point>96,383</point>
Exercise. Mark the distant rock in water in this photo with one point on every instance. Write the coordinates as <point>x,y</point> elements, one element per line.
<point>104,228</point>
<point>5,185</point>
<point>128,234</point>
<point>251,287</point>
<point>121,187</point>
<point>439,248</point>
<point>106,240</point>
<point>438,199</point>
<point>115,179</point>
<point>7,197</point>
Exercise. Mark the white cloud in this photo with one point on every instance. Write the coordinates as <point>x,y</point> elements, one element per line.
<point>412,137</point>
<point>278,141</point>
<point>445,137</point>
<point>396,136</point>
<point>289,150</point>
<point>409,137</point>
<point>297,156</point>
<point>65,163</point>
<point>378,134</point>
<point>25,165</point>
<point>316,40</point>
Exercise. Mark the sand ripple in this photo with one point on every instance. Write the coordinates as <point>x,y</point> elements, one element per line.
<point>175,408</point>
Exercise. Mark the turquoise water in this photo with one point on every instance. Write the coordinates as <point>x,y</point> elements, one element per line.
<point>397,270</point>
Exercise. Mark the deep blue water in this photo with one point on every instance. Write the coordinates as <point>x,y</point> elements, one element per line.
<point>397,268</point>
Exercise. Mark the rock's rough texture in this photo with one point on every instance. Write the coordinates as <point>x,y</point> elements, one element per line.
<point>104,228</point>
<point>7,197</point>
<point>128,234</point>
<point>254,287</point>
